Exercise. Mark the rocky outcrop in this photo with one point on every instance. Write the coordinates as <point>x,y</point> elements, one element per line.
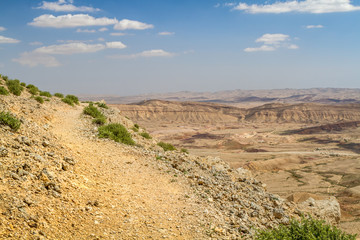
<point>327,208</point>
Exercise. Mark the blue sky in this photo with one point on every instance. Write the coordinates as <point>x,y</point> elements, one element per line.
<point>132,47</point>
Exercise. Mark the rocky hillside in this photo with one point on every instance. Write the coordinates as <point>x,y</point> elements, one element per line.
<point>59,180</point>
<point>198,112</point>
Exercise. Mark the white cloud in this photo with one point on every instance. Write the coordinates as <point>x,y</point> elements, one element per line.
<point>273,38</point>
<point>146,54</point>
<point>77,47</point>
<point>130,24</point>
<point>101,39</point>
<point>314,26</point>
<point>307,6</point>
<point>229,4</point>
<point>8,40</point>
<point>155,53</point>
<point>272,42</point>
<point>293,46</point>
<point>118,45</point>
<point>85,30</point>
<point>2,29</point>
<point>104,29</point>
<point>263,48</point>
<point>34,59</point>
<point>64,6</point>
<point>36,43</point>
<point>166,33</point>
<point>69,21</point>
<point>119,34</point>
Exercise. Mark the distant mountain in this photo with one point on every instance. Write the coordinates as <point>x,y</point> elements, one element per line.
<point>243,97</point>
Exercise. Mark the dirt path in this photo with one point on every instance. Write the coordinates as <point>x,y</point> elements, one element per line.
<point>136,200</point>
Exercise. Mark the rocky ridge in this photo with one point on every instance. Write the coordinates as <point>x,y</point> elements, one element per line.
<point>211,113</point>
<point>60,181</point>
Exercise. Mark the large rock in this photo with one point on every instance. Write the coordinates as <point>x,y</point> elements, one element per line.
<point>326,208</point>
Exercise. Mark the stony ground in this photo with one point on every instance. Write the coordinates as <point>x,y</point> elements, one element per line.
<point>60,181</point>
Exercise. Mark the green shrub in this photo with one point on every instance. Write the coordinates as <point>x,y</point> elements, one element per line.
<point>23,84</point>
<point>102,105</point>
<point>39,99</point>
<point>6,78</point>
<point>45,94</point>
<point>32,89</point>
<point>184,150</point>
<point>306,229</point>
<point>100,120</point>
<point>8,119</point>
<point>59,95</point>
<point>3,91</point>
<point>145,135</point>
<point>14,87</point>
<point>166,146</point>
<point>136,126</point>
<point>73,98</point>
<point>116,132</point>
<point>68,101</point>
<point>135,129</point>
<point>91,110</point>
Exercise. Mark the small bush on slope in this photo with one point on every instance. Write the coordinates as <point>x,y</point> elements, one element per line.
<point>166,146</point>
<point>73,98</point>
<point>102,105</point>
<point>32,89</point>
<point>14,87</point>
<point>68,101</point>
<point>145,135</point>
<point>39,99</point>
<point>45,94</point>
<point>91,110</point>
<point>306,229</point>
<point>116,132</point>
<point>3,91</point>
<point>7,119</point>
<point>59,95</point>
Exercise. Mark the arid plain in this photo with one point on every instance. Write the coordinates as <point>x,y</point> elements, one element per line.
<point>307,148</point>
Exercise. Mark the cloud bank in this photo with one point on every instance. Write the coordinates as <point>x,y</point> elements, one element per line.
<point>65,6</point>
<point>307,6</point>
<point>8,40</point>
<point>85,20</point>
<point>43,55</point>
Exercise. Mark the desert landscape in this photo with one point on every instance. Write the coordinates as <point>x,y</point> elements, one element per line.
<point>293,148</point>
<point>206,119</point>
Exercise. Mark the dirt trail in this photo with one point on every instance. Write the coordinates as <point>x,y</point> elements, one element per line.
<point>136,200</point>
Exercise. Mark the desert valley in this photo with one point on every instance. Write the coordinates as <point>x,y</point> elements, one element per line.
<point>308,148</point>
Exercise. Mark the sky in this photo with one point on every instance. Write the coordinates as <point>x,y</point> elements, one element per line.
<point>130,47</point>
